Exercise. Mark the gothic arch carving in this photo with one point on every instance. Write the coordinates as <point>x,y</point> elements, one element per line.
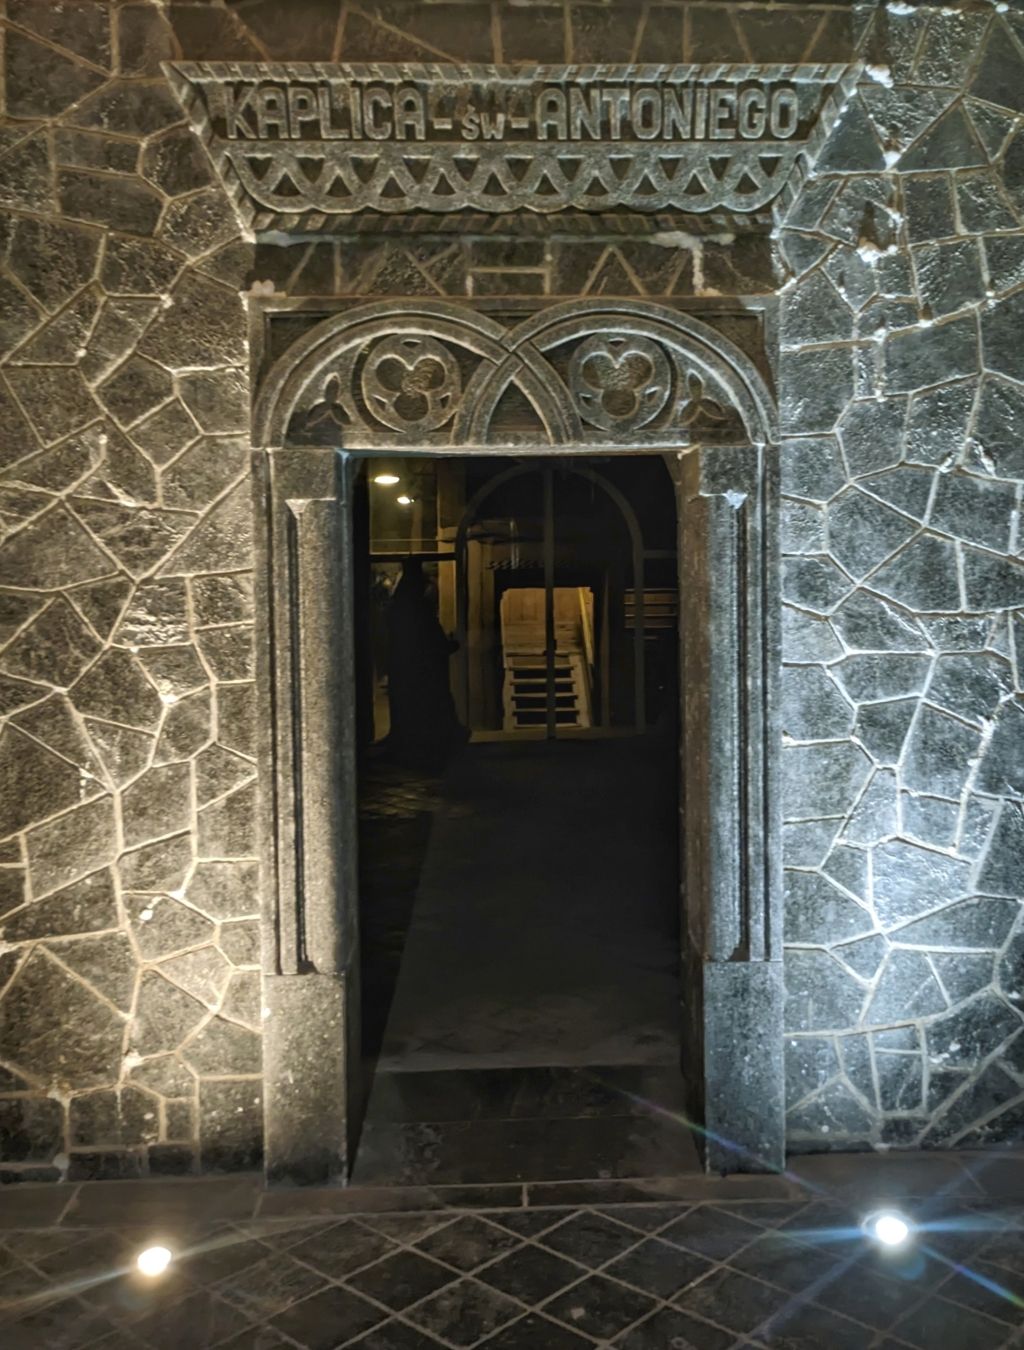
<point>436,375</point>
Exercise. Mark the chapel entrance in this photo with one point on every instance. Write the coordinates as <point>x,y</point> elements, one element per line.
<point>518,819</point>
<point>499,385</point>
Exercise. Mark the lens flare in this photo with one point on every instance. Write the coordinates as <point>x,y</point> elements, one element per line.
<point>153,1261</point>
<point>890,1229</point>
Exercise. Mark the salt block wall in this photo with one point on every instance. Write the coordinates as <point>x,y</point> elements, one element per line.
<point>129,985</point>
<point>903,764</point>
<point>130,1012</point>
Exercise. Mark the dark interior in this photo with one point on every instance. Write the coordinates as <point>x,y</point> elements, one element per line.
<point>519,870</point>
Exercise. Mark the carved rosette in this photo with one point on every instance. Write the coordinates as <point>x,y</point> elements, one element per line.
<point>411,384</point>
<point>619,383</point>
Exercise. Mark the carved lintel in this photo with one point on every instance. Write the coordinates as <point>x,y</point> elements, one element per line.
<point>302,146</point>
<point>429,375</point>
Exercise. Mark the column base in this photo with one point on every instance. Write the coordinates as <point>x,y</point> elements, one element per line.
<point>744,1084</point>
<point>311,1072</point>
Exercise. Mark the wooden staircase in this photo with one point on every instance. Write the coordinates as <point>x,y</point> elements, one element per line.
<point>661,610</point>
<point>525,692</point>
<point>524,687</point>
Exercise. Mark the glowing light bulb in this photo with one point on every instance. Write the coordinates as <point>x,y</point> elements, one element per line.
<point>153,1261</point>
<point>890,1229</point>
<point>404,501</point>
<point>387,479</point>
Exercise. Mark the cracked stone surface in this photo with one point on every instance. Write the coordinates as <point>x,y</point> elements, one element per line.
<point>109,967</point>
<point>922,514</point>
<point>128,884</point>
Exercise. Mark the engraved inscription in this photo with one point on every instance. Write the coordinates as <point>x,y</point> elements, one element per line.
<point>344,109</point>
<point>303,145</point>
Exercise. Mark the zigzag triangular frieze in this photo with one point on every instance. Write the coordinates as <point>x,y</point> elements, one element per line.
<point>494,139</point>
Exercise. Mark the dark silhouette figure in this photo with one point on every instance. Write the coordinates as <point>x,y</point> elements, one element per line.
<point>424,725</point>
<point>381,592</point>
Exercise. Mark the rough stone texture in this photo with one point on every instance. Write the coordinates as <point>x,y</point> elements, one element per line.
<point>908,1035</point>
<point>119,1013</point>
<point>125,549</point>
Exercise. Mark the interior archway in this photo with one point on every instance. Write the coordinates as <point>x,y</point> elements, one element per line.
<point>519,884</point>
<point>629,517</point>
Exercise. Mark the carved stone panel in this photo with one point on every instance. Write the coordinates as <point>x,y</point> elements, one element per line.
<point>303,146</point>
<point>431,375</point>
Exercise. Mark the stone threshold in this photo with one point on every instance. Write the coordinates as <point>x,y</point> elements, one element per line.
<point>860,1178</point>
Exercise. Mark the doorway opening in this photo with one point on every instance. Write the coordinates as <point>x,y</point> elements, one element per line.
<point>517,687</point>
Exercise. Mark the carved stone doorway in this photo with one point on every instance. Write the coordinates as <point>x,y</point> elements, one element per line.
<point>532,386</point>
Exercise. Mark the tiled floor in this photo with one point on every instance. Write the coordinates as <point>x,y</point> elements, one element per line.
<point>792,1271</point>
